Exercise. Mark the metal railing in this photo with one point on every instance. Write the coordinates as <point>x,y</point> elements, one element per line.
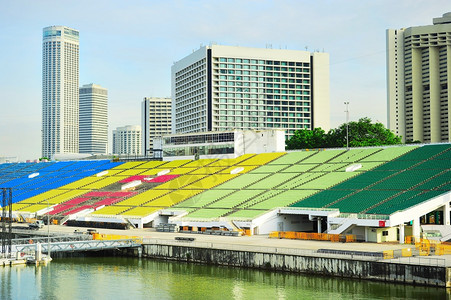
<point>91,245</point>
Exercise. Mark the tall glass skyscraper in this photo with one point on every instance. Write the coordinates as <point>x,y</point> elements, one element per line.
<point>93,119</point>
<point>60,77</point>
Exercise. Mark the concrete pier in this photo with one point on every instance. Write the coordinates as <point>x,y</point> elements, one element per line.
<point>308,263</point>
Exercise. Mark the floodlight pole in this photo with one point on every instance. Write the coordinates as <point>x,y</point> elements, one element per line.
<point>48,230</point>
<point>347,124</point>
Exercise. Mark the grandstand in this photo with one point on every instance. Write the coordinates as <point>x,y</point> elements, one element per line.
<point>375,193</point>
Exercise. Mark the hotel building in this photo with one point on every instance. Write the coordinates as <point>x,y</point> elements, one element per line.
<point>155,121</point>
<point>127,140</point>
<point>418,68</point>
<point>223,88</point>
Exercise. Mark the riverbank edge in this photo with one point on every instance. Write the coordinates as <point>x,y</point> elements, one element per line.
<point>325,266</point>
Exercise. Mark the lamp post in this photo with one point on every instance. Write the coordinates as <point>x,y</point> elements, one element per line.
<point>48,230</point>
<point>347,125</point>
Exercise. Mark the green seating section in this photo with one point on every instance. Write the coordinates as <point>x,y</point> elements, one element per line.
<point>208,213</point>
<point>327,180</point>
<point>322,156</point>
<point>388,154</point>
<point>363,180</point>
<point>361,200</point>
<point>354,155</point>
<point>416,175</point>
<point>242,181</point>
<point>292,158</point>
<point>204,198</point>
<point>283,199</point>
<point>406,200</point>
<point>235,199</point>
<point>406,180</point>
<point>441,182</point>
<point>272,181</point>
<point>322,199</point>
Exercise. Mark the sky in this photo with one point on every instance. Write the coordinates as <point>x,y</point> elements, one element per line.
<point>129,47</point>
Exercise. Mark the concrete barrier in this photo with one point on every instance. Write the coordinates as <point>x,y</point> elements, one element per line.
<point>310,264</point>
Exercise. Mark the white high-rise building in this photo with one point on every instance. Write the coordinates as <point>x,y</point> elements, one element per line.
<point>418,81</point>
<point>155,120</point>
<point>60,76</point>
<point>218,88</point>
<point>127,140</point>
<point>93,119</point>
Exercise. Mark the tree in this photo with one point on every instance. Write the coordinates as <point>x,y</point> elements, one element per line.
<point>307,139</point>
<point>361,134</point>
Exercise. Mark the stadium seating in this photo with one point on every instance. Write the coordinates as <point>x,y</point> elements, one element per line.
<point>292,158</point>
<point>389,179</point>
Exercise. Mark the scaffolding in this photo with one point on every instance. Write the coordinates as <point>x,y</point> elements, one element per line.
<point>6,219</point>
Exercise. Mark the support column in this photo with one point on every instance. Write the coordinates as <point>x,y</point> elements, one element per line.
<point>416,230</point>
<point>417,94</point>
<point>401,234</point>
<point>318,221</point>
<point>448,59</point>
<point>434,92</point>
<point>446,217</point>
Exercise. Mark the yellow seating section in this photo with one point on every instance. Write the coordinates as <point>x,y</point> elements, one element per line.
<point>19,206</point>
<point>154,172</point>
<point>230,161</point>
<point>141,211</point>
<point>65,197</point>
<point>111,172</point>
<point>128,165</point>
<point>246,169</point>
<point>199,163</point>
<point>44,196</point>
<point>180,171</point>
<point>151,164</point>
<point>179,182</point>
<point>144,197</point>
<point>132,172</point>
<point>111,210</point>
<point>34,208</point>
<point>175,163</point>
<point>80,183</point>
<point>210,181</point>
<point>104,182</point>
<point>261,159</point>
<point>207,170</point>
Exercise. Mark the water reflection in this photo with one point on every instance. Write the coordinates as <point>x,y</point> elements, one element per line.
<point>129,278</point>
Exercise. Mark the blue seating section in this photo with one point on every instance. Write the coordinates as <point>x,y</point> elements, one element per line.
<point>52,175</point>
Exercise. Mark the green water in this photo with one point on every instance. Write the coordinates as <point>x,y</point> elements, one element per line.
<point>129,278</point>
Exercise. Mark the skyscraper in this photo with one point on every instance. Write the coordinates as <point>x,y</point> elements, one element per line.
<point>93,119</point>
<point>418,81</point>
<point>127,140</point>
<point>155,120</point>
<point>60,76</point>
<point>220,88</point>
